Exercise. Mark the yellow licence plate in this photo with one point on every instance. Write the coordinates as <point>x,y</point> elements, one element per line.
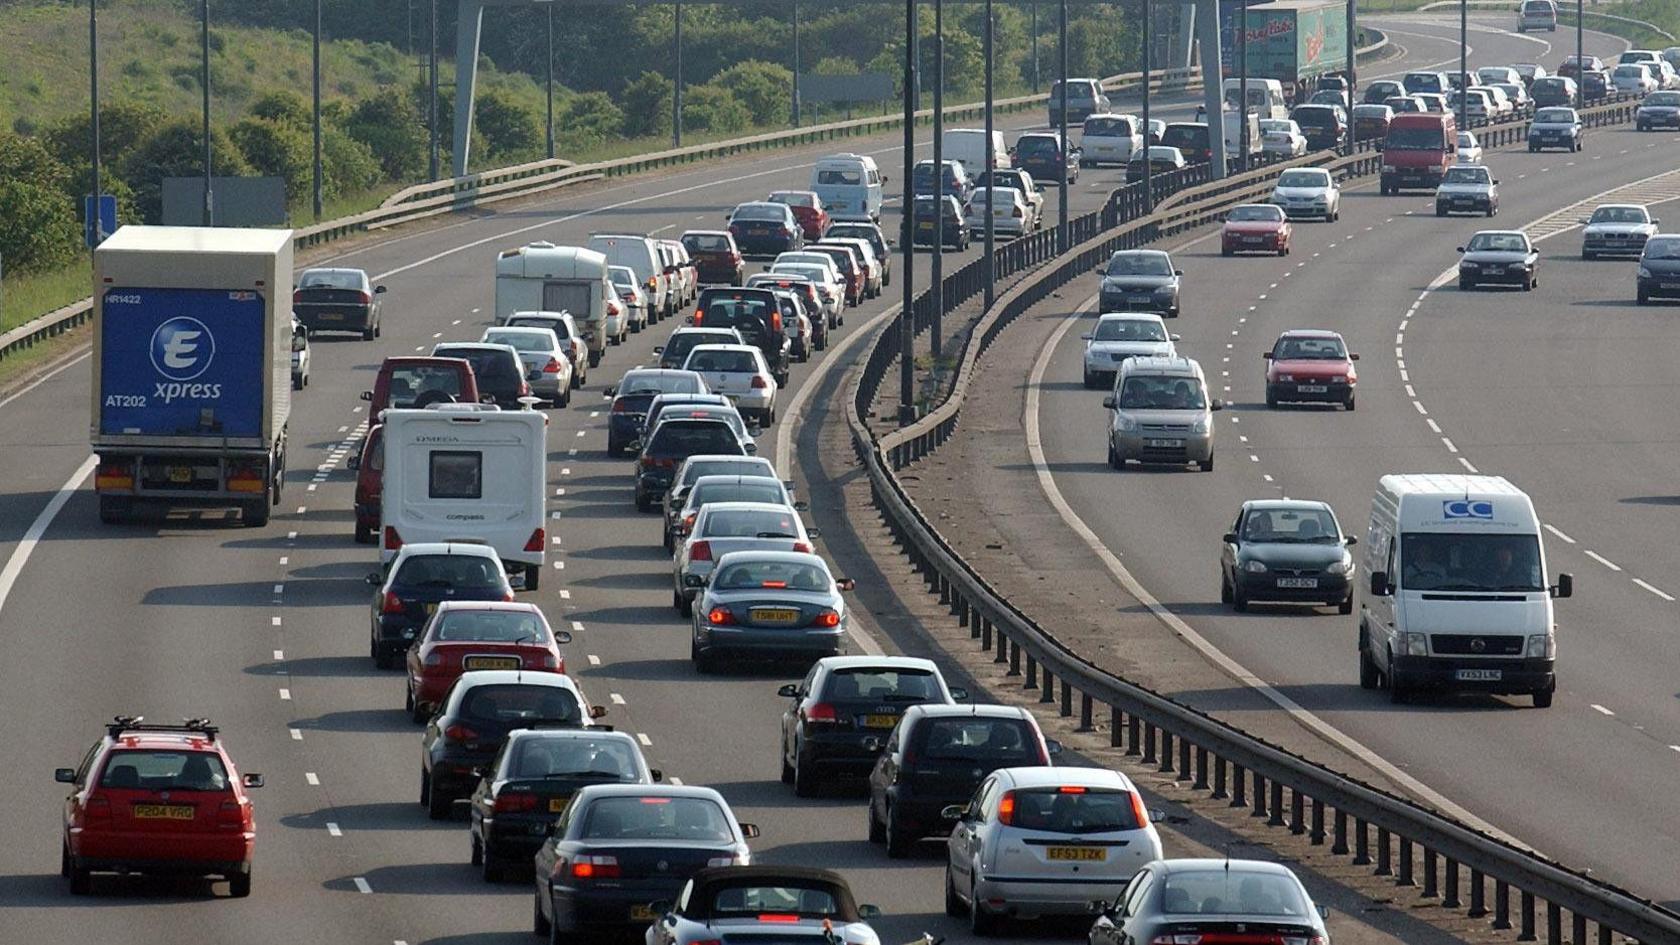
<point>180,474</point>
<point>1082,854</point>
<point>880,721</point>
<point>162,812</point>
<point>557,804</point>
<point>431,608</point>
<point>774,615</point>
<point>641,912</point>
<point>489,662</point>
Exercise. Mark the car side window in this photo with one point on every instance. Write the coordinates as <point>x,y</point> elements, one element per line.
<point>1236,527</point>
<point>810,683</point>
<point>1125,897</point>
<point>978,804</point>
<point>1139,892</point>
<point>87,763</point>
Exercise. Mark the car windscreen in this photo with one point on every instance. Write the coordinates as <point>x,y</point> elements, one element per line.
<point>746,901</point>
<point>693,819</point>
<point>491,368</point>
<point>556,325</point>
<point>456,571</point>
<point>1453,561</point>
<point>883,684</point>
<point>1300,526</point>
<point>648,383</point>
<point>765,490</point>
<point>1139,264</point>
<point>331,279</point>
<point>1256,214</point>
<point>1497,243</point>
<point>1306,348</point>
<point>771,574</point>
<point>760,212</point>
<point>1073,809</point>
<point>1617,215</point>
<point>976,738</point>
<point>726,362</point>
<point>1555,116</point>
<point>488,626</point>
<point>408,384</point>
<point>1161,392</point>
<point>1108,128</point>
<point>685,438</point>
<point>706,243</point>
<point>164,770</point>
<point>1035,146</point>
<point>515,703</point>
<point>1231,892</point>
<point>521,340</point>
<point>749,523</point>
<point>563,756</point>
<point>1660,248</point>
<point>1128,329</point>
<point>1303,179</point>
<point>1664,99</point>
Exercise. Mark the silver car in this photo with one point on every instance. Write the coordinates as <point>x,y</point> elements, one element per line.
<point>1161,414</point>
<point>547,363</point>
<point>722,527</point>
<point>768,605</point>
<point>1122,335</point>
<point>1011,216</point>
<point>1467,188</point>
<point>739,373</point>
<point>1617,229</point>
<point>632,294</point>
<point>727,488</point>
<point>1308,192</point>
<point>787,905</point>
<point>565,328</point>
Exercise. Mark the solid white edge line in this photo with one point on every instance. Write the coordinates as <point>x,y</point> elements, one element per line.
<point>32,536</point>
<point>1212,653</point>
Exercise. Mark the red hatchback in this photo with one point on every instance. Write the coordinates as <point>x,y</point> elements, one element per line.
<point>807,208</point>
<point>158,799</point>
<point>1310,366</point>
<point>369,465</point>
<point>421,382</point>
<point>716,257</point>
<point>1256,228</point>
<point>463,636</point>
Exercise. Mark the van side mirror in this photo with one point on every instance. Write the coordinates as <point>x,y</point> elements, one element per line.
<point>64,775</point>
<point>1565,587</point>
<point>597,711</point>
<point>252,780</point>
<point>1217,404</point>
<point>367,395</point>
<point>1379,584</point>
<point>1108,402</point>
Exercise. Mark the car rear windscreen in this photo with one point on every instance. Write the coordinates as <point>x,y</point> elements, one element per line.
<point>686,439</point>
<point>457,571</point>
<point>1074,810</point>
<point>1108,127</point>
<point>765,491</point>
<point>409,383</point>
<point>689,819</point>
<point>706,243</point>
<point>512,704</point>
<point>727,362</point>
<point>489,626</point>
<point>163,770</point>
<point>882,684</point>
<point>971,738</point>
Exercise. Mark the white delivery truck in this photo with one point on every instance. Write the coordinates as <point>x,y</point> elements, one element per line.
<point>1458,598</point>
<point>967,146</point>
<point>192,369</point>
<point>467,473</point>
<point>544,277</point>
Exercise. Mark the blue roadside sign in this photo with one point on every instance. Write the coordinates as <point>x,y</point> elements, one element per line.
<point>96,227</point>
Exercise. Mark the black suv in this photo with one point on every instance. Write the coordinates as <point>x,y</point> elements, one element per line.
<point>756,314</point>
<point>675,440</point>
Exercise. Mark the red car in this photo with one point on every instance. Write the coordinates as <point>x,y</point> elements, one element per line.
<point>807,208</point>
<point>369,465</point>
<point>851,269</point>
<point>462,636</point>
<point>158,799</point>
<point>1310,366</point>
<point>1256,228</point>
<point>419,382</point>
<point>716,257</point>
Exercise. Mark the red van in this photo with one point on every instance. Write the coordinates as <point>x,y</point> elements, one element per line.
<point>369,465</point>
<point>420,382</point>
<point>1417,150</point>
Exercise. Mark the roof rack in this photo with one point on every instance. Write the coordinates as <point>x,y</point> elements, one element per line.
<point>122,724</point>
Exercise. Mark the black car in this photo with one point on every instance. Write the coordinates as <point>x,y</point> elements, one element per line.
<point>930,227</point>
<point>525,789</point>
<point>866,231</point>
<point>763,228</point>
<point>1287,550</point>
<point>1192,140</point>
<point>1596,85</point>
<point>1659,269</point>
<point>1322,125</point>
<point>500,373</point>
<point>621,853</point>
<point>756,314</point>
<point>1499,257</point>
<point>419,578</point>
<point>632,395</point>
<point>674,352</point>
<point>937,757</point>
<point>835,717</point>
<point>957,182</point>
<point>1194,900</point>
<point>477,714</point>
<point>1045,157</point>
<point>1552,90</point>
<point>338,300</point>
<point>1139,280</point>
<point>675,440</point>
<point>663,402</point>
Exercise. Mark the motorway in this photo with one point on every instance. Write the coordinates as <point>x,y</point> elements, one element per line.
<point>1569,391</point>
<point>264,630</point>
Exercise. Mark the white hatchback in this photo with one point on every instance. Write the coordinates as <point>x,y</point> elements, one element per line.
<point>1045,841</point>
<point>739,373</point>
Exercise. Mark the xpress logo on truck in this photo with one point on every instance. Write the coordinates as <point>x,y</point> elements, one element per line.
<point>182,362</point>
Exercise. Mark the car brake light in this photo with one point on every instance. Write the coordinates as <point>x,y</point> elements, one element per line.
<point>393,604</point>
<point>774,585</point>
<point>775,321</point>
<point>621,406</point>
<point>758,381</point>
<point>828,619</point>
<point>515,803</point>
<point>688,520</point>
<point>778,917</point>
<point>231,814</point>
<point>553,663</point>
<point>1070,789</point>
<point>393,541</point>
<point>114,475</point>
<point>434,658</point>
<point>721,861</point>
<point>699,317</point>
<point>366,298</point>
<point>552,367</point>
<point>245,478</point>
<point>821,712</point>
<point>535,542</point>
<point>802,547</point>
<point>595,866</point>
<point>297,296</point>
<point>700,551</point>
<point>1140,815</point>
<point>1006,808</point>
<point>720,617</point>
<point>460,733</point>
<point>98,808</point>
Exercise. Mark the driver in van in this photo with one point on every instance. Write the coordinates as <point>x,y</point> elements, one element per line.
<point>1507,572</point>
<point>1422,568</point>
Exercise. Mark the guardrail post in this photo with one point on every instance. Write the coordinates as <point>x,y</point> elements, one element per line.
<point>1605,934</point>
<point>1383,862</point>
<point>1049,692</point>
<point>1166,751</point>
<point>1239,786</point>
<point>1450,900</point>
<point>1133,739</point>
<point>1478,895</point>
<point>1276,818</point>
<point>1149,743</point>
<point>1338,834</point>
<point>1430,889</point>
<point>1578,928</point>
<point>1361,843</point>
<point>1014,658</point>
<point>1525,917</point>
<point>1219,792</point>
<point>1316,837</point>
<point>1067,699</point>
<point>1183,760</point>
<point>1501,904</point>
<point>1116,738</point>
<point>1032,672</point>
<point>1259,787</point>
<point>1297,808</point>
<point>1554,924</point>
<point>1405,877</point>
<point>1085,724</point>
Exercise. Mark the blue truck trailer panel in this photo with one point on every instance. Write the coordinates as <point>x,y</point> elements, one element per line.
<point>182,362</point>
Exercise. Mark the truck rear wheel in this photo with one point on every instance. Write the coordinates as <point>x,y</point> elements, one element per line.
<point>256,513</point>
<point>113,509</point>
<point>533,576</point>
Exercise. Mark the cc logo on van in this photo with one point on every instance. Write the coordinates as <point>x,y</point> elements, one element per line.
<point>1467,508</point>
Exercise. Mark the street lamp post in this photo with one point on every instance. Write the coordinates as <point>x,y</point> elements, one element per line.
<point>1062,71</point>
<point>1352,63</point>
<point>991,164</point>
<point>1148,166</point>
<point>98,219</point>
<point>796,63</point>
<point>1463,63</point>
<point>676,91</point>
<point>549,81</point>
<point>1580,54</point>
<point>204,80</point>
<point>315,189</point>
<point>432,101</point>
<point>907,266</point>
<point>1241,14</point>
<point>937,281</point>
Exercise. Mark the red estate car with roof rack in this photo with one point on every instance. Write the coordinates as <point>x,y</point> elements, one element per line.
<point>158,799</point>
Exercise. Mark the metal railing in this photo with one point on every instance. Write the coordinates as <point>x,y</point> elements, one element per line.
<point>1455,864</point>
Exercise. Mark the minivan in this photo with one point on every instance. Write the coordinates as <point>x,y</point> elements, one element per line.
<point>1161,414</point>
<point>1084,98</point>
<point>1457,598</point>
<point>1265,96</point>
<point>642,255</point>
<point>1537,15</point>
<point>849,185</point>
<point>1109,139</point>
<point>967,146</point>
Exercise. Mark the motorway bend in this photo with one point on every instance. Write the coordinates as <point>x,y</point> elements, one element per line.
<point>264,630</point>
<point>1570,391</point>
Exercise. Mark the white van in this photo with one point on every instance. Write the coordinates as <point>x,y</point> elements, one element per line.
<point>1457,598</point>
<point>967,146</point>
<point>641,254</point>
<point>1265,97</point>
<point>1109,139</point>
<point>850,186</point>
<point>549,278</point>
<point>467,472</point>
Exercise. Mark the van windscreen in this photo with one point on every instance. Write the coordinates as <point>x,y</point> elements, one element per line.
<point>1453,561</point>
<point>1162,392</point>
<point>1415,138</point>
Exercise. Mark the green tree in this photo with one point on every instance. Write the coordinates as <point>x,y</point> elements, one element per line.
<point>511,131</point>
<point>588,118</point>
<point>286,106</point>
<point>27,160</point>
<point>391,127</point>
<point>177,150</point>
<point>647,106</point>
<point>710,108</point>
<point>766,89</point>
<point>349,166</point>
<point>122,127</point>
<point>39,228</point>
<point>277,149</point>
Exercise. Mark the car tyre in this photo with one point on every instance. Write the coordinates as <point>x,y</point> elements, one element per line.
<point>413,708</point>
<point>1543,698</point>
<point>364,534</point>
<point>1207,464</point>
<point>1271,400</point>
<point>1586,254</point>
<point>643,503</point>
<point>239,884</point>
<point>539,922</point>
<point>533,576</point>
<point>475,854</point>
<point>491,869</point>
<point>1644,299</point>
<point>877,830</point>
<point>1224,588</point>
<point>1369,676</point>
<point>81,879</point>
<point>1239,600</point>
<point>1350,402</point>
<point>1226,251</point>
<point>368,334</point>
<point>702,663</point>
<point>981,924</point>
<point>438,805</point>
<point>954,906</point>
<point>803,785</point>
<point>1114,459</point>
<point>1440,211</point>
<point>1090,380</point>
<point>898,845</point>
<point>1346,605</point>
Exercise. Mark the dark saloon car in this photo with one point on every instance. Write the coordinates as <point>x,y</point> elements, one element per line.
<point>499,373</point>
<point>937,757</point>
<point>756,314</point>
<point>1211,900</point>
<point>957,183</point>
<point>940,225</point>
<point>1286,550</point>
<point>844,702</point>
<point>421,576</point>
<point>632,395</point>
<point>338,300</point>
<point>763,228</point>
<point>621,853</point>
<point>526,788</point>
<point>1499,257</point>
<point>675,440</point>
<point>1139,280</point>
<point>477,714</point>
<point>1659,269</point>
<point>715,255</point>
<point>1043,155</point>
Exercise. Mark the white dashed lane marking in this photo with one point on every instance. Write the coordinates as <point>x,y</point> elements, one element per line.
<point>362,885</point>
<point>1655,590</point>
<point>646,741</point>
<point>594,660</point>
<point>1603,560</point>
<point>312,779</point>
<point>333,831</point>
<point>1565,538</point>
<point>1601,709</point>
<point>616,698</point>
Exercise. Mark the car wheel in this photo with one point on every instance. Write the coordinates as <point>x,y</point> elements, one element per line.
<point>415,710</point>
<point>685,605</point>
<point>877,830</point>
<point>1207,464</point>
<point>1465,285</point>
<point>81,879</point>
<point>1239,600</point>
<point>1588,255</point>
<point>490,869</point>
<point>367,334</point>
<point>1225,251</point>
<point>438,804</point>
<point>476,854</point>
<point>803,785</point>
<point>1543,698</point>
<point>953,906</point>
<point>533,576</point>
<point>1090,380</point>
<point>1397,690</point>
<point>1492,210</point>
<point>1644,299</point>
<point>364,534</point>
<point>980,922</point>
<point>1224,588</point>
<point>539,922</point>
<point>1440,211</point>
<point>565,399</point>
<point>643,504</point>
<point>787,769</point>
<point>702,663</point>
<point>239,884</point>
<point>898,845</point>
<point>1114,459</point>
<point>1346,605</point>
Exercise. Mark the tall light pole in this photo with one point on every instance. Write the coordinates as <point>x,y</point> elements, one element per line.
<point>1062,70</point>
<point>937,285</point>
<point>1241,14</point>
<point>907,267</point>
<point>1352,64</point>
<point>796,63</point>
<point>676,89</point>
<point>991,164</point>
<point>315,188</point>
<point>1035,45</point>
<point>1148,166</point>
<point>1463,64</point>
<point>550,81</point>
<point>432,101</point>
<point>1580,54</point>
<point>204,80</point>
<point>98,221</point>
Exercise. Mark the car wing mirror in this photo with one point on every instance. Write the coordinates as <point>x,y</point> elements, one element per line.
<point>367,395</point>
<point>846,584</point>
<point>252,780</point>
<point>1353,357</point>
<point>789,691</point>
<point>1267,355</point>
<point>1229,538</point>
<point>802,506</point>
<point>1108,402</point>
<point>1053,746</point>
<point>487,399</point>
<point>374,579</point>
<point>562,637</point>
<point>954,812</point>
<point>867,911</point>
<point>750,831</point>
<point>1461,249</point>
<point>959,693</point>
<point>378,290</point>
<point>656,774</point>
<point>1350,541</point>
<point>635,446</point>
<point>751,449</point>
<point>480,771</point>
<point>1085,337</point>
<point>1178,272</point>
<point>1217,404</point>
<point>597,711</point>
<point>1324,912</point>
<point>1098,906</point>
<point>872,743</point>
<point>662,907</point>
<point>64,775</point>
<point>1565,586</point>
<point>1157,815</point>
<point>613,390</point>
<point>354,462</point>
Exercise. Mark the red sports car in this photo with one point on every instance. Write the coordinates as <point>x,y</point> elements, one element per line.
<point>1256,228</point>
<point>1310,366</point>
<point>462,636</point>
<point>807,208</point>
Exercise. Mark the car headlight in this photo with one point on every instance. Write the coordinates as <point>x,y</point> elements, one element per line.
<point>1286,378</point>
<point>1124,423</point>
<point>1389,168</point>
<point>1644,273</point>
<point>1344,566</point>
<point>1254,567</point>
<point>1541,646</point>
<point>1416,645</point>
<point>1467,264</point>
<point>1165,289</point>
<point>1202,425</point>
